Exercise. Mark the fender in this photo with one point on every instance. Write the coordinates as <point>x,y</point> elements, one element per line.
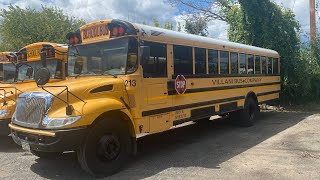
<point>96,107</point>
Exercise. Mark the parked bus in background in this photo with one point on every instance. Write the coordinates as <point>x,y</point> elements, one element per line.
<point>7,67</point>
<point>128,80</point>
<point>28,62</point>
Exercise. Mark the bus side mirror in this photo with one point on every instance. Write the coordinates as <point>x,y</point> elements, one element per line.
<point>42,76</point>
<point>144,54</point>
<point>43,57</point>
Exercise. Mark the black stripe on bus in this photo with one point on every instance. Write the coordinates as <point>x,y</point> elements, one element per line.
<point>173,91</point>
<point>267,93</point>
<point>187,106</point>
<point>190,76</point>
<point>193,105</point>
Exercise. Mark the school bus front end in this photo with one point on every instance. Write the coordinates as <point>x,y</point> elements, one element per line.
<point>27,62</point>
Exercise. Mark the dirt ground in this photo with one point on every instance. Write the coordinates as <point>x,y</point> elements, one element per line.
<point>284,144</point>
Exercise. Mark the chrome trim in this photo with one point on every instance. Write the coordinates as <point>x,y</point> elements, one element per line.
<point>33,107</point>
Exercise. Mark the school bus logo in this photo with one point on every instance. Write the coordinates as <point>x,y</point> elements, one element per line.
<point>180,84</point>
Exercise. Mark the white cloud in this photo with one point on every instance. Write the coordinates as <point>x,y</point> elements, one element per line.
<point>145,10</point>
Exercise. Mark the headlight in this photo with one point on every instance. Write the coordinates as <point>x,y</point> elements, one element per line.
<point>59,122</point>
<point>4,113</point>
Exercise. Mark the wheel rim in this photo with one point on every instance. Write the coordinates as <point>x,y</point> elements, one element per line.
<point>108,147</point>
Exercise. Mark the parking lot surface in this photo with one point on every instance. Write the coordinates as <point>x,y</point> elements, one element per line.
<point>282,145</point>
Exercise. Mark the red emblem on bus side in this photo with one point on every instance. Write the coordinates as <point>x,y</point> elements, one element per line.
<point>180,84</point>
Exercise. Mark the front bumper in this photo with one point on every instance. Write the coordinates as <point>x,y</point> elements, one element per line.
<point>4,128</point>
<point>49,140</point>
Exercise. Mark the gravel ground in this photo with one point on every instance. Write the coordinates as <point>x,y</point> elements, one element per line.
<point>282,145</point>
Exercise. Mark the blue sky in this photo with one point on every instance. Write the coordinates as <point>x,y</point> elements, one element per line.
<point>144,10</point>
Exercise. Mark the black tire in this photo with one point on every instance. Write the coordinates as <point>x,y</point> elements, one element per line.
<point>106,148</point>
<point>45,155</point>
<point>247,116</point>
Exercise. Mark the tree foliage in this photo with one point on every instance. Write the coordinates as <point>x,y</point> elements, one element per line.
<point>197,24</point>
<point>20,27</point>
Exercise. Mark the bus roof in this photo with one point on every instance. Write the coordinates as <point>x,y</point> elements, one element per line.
<point>155,31</point>
<point>37,44</point>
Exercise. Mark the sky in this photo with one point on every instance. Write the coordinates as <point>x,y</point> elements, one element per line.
<point>144,10</point>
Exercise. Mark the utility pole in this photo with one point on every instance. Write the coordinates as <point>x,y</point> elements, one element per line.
<point>312,5</point>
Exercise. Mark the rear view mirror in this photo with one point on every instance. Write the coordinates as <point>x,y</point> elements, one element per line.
<point>29,72</point>
<point>144,54</point>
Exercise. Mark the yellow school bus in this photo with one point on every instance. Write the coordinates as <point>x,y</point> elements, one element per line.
<point>27,63</point>
<point>128,80</point>
<point>7,77</point>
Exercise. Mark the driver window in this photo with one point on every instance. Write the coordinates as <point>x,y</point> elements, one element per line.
<point>157,63</point>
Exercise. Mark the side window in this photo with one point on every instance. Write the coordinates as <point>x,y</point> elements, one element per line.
<point>243,64</point>
<point>250,63</point>
<point>132,63</point>
<point>269,65</point>
<point>275,66</point>
<point>257,65</point>
<point>224,62</point>
<point>264,65</point>
<point>200,60</point>
<point>182,59</point>
<point>213,61</point>
<point>157,64</point>
<point>234,63</point>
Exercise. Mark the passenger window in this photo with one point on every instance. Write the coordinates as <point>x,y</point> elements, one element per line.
<point>182,60</point>
<point>157,64</point>
<point>200,60</point>
<point>250,63</point>
<point>213,61</point>
<point>269,65</point>
<point>224,62</point>
<point>264,65</point>
<point>234,63</point>
<point>275,66</point>
<point>243,64</point>
<point>257,65</point>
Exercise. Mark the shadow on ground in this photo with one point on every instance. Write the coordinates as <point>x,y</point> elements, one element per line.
<point>8,145</point>
<point>204,145</point>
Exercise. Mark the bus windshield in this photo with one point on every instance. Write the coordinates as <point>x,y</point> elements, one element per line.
<point>108,57</point>
<point>8,72</point>
<point>54,66</point>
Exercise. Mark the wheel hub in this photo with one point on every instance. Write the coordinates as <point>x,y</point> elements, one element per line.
<point>108,147</point>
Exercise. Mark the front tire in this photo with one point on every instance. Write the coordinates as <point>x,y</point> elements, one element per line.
<point>106,148</point>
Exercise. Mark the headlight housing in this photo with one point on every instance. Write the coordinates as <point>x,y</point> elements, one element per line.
<point>59,122</point>
<point>4,113</point>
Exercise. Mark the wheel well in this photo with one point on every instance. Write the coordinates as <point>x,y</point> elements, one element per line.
<point>253,96</point>
<point>116,115</point>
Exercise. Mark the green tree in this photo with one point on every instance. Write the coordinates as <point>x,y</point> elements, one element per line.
<point>179,27</point>
<point>197,24</point>
<point>155,22</point>
<point>168,25</point>
<point>20,27</point>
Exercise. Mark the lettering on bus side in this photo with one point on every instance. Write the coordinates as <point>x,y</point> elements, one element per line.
<point>96,31</point>
<point>236,81</point>
<point>33,53</point>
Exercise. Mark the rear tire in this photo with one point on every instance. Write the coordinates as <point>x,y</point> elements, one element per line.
<point>247,116</point>
<point>45,155</point>
<point>106,148</point>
